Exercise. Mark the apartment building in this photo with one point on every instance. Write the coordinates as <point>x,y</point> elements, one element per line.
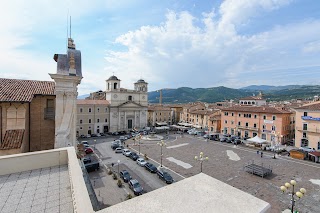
<point>307,132</point>
<point>269,123</point>
<point>27,115</point>
<point>214,124</point>
<point>159,114</point>
<point>93,117</point>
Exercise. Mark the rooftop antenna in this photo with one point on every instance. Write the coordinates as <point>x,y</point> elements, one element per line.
<point>67,30</point>
<point>70,26</point>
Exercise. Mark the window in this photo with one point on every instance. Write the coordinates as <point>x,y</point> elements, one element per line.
<point>305,126</point>
<point>304,142</point>
<point>249,102</point>
<point>318,145</point>
<point>264,117</point>
<point>80,110</point>
<point>89,110</point>
<point>249,115</point>
<point>254,134</point>
<point>273,117</point>
<point>232,114</point>
<point>232,122</point>
<point>115,86</point>
<point>241,102</point>
<point>98,109</point>
<point>247,124</point>
<point>246,134</point>
<point>81,121</point>
<point>106,120</point>
<point>130,97</point>
<point>263,136</point>
<point>226,113</point>
<point>225,121</point>
<point>80,127</point>
<point>98,127</point>
<point>160,114</point>
<point>304,135</point>
<point>98,120</point>
<point>253,102</point>
<point>305,113</point>
<point>89,121</point>
<point>239,115</point>
<point>239,123</point>
<point>263,126</point>
<point>106,109</point>
<point>255,125</point>
<point>255,116</point>
<point>273,128</point>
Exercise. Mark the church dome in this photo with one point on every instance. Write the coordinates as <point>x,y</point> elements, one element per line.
<point>113,78</point>
<point>141,81</point>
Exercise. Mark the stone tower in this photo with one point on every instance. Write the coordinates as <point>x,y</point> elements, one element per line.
<point>67,78</point>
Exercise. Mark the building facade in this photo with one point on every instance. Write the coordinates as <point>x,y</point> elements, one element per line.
<point>122,110</point>
<point>27,115</point>
<point>159,114</point>
<point>93,117</point>
<point>307,132</point>
<point>269,123</point>
<point>258,100</point>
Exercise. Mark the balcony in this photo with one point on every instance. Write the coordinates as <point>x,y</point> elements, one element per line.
<point>309,118</point>
<point>247,127</point>
<point>49,113</point>
<point>312,130</point>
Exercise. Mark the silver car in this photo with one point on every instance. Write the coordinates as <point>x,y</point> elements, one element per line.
<point>141,162</point>
<point>126,152</point>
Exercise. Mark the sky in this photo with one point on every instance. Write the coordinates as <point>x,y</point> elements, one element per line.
<point>168,43</point>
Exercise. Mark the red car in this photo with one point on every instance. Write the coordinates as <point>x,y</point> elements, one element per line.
<point>88,150</point>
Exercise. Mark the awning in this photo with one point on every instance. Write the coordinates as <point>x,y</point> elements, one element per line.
<point>316,154</point>
<point>256,139</point>
<point>197,126</point>
<point>161,123</point>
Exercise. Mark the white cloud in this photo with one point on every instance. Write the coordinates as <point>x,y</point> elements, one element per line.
<point>180,52</point>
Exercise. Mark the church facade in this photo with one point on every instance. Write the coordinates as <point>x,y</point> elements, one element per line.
<point>124,110</point>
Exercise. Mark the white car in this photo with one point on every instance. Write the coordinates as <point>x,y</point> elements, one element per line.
<point>306,149</point>
<point>118,150</point>
<point>141,162</point>
<point>126,152</point>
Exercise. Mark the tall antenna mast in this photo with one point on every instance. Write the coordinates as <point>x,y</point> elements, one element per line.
<point>70,26</point>
<point>67,30</point>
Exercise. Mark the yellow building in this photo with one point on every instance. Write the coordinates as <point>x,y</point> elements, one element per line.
<point>308,126</point>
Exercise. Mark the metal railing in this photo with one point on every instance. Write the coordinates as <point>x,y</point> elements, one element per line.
<point>314,130</point>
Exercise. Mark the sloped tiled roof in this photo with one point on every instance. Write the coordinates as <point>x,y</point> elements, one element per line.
<point>14,90</point>
<point>158,108</point>
<point>312,106</point>
<point>12,139</point>
<point>92,102</point>
<point>263,109</point>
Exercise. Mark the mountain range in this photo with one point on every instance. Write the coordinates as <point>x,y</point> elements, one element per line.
<point>215,94</point>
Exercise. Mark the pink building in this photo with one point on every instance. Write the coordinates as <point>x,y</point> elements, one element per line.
<point>269,123</point>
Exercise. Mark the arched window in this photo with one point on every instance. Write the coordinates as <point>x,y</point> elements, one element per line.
<point>245,102</point>
<point>115,85</point>
<point>249,102</point>
<point>130,97</point>
<point>108,86</point>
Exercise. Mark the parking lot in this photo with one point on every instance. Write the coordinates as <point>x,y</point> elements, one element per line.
<point>225,163</point>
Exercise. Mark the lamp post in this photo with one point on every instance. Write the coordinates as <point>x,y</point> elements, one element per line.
<point>200,158</point>
<point>298,194</point>
<point>139,144</point>
<point>94,146</point>
<point>161,144</point>
<point>118,167</point>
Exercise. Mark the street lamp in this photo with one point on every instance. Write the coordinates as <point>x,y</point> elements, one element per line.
<point>139,144</point>
<point>200,158</point>
<point>118,167</point>
<point>161,144</point>
<point>299,194</point>
<point>94,146</point>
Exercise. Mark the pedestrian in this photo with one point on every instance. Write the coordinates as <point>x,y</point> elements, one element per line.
<point>257,152</point>
<point>261,154</point>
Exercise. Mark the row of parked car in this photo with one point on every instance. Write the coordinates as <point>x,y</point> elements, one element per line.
<point>134,184</point>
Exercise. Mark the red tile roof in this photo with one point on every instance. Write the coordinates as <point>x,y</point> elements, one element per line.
<point>92,102</point>
<point>252,98</point>
<point>12,139</point>
<point>312,106</point>
<point>262,109</point>
<point>14,90</point>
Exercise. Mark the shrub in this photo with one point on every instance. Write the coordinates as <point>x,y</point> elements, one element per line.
<point>110,172</point>
<point>146,157</point>
<point>129,196</point>
<point>119,183</point>
<point>115,176</point>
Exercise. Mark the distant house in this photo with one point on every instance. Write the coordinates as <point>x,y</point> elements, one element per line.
<point>258,100</point>
<point>27,115</point>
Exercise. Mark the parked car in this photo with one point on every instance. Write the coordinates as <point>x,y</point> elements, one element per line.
<point>82,136</point>
<point>88,136</point>
<point>102,134</point>
<point>165,176</point>
<point>224,139</point>
<point>214,137</point>
<point>134,156</point>
<point>91,163</point>
<point>229,140</point>
<point>93,135</point>
<point>126,152</point>
<point>150,167</point>
<point>135,186</point>
<point>88,150</point>
<point>141,162</point>
<point>85,143</point>
<point>118,149</point>
<point>306,149</point>
<point>98,135</point>
<point>124,174</point>
<point>115,133</point>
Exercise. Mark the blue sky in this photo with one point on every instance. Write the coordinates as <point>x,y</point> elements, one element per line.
<point>169,43</point>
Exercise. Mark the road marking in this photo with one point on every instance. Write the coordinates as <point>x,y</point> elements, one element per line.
<point>176,146</point>
<point>162,165</point>
<point>179,162</point>
<point>232,155</point>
